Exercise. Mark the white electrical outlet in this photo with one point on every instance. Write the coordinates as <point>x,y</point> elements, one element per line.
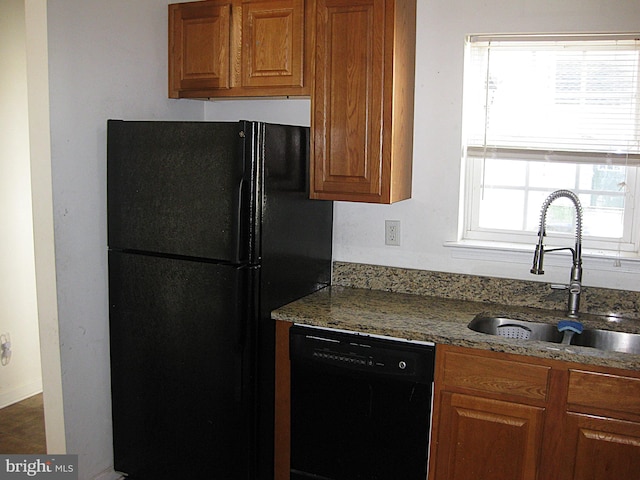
<point>392,232</point>
<point>5,349</point>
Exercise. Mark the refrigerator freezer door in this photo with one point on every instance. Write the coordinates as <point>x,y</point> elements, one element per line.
<point>295,232</point>
<point>179,342</point>
<point>176,188</point>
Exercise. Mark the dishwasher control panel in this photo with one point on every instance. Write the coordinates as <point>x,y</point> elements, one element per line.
<point>361,353</point>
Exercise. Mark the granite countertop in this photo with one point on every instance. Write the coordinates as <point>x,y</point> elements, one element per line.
<point>444,321</point>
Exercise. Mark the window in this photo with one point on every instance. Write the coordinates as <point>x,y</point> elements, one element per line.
<point>542,114</point>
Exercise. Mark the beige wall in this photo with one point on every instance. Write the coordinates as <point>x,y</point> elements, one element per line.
<point>21,377</point>
<point>40,153</point>
<point>106,59</point>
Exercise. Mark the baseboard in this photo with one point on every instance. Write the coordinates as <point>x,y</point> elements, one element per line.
<point>18,394</point>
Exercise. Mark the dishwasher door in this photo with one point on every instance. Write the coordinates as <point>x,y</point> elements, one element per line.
<point>360,406</point>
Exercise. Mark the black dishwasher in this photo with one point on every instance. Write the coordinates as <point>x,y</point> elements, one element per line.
<point>360,406</point>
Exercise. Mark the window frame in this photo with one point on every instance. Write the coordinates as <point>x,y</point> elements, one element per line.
<point>472,230</point>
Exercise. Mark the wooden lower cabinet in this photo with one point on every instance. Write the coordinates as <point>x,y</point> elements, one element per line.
<point>489,416</point>
<point>282,417</point>
<point>601,426</point>
<point>468,421</point>
<point>601,448</point>
<point>502,416</point>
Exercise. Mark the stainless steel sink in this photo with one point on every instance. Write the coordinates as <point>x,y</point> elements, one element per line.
<point>608,340</point>
<point>512,328</point>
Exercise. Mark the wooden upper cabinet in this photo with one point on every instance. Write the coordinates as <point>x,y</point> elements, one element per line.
<point>199,46</point>
<point>234,48</point>
<point>273,41</point>
<point>362,103</point>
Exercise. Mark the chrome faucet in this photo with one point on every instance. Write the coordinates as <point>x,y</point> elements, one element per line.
<point>575,283</point>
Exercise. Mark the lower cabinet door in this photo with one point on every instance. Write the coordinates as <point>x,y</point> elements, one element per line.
<point>602,448</point>
<point>485,439</point>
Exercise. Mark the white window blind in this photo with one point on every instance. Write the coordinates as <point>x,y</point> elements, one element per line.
<point>555,99</point>
<point>548,112</point>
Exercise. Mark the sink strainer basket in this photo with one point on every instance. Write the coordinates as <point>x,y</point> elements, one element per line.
<point>514,331</point>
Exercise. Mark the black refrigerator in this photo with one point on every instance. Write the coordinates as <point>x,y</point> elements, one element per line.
<point>209,229</point>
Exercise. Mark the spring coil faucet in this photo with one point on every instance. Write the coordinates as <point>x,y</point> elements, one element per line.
<point>575,283</point>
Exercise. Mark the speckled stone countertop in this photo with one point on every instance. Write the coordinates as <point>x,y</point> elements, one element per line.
<point>441,320</point>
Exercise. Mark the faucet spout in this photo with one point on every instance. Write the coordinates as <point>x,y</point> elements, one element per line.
<point>575,281</point>
<point>538,258</point>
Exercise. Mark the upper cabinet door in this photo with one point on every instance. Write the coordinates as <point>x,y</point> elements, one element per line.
<point>199,48</point>
<point>273,44</point>
<point>362,103</point>
<point>240,48</point>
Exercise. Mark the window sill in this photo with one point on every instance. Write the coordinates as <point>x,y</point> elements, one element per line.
<point>604,260</point>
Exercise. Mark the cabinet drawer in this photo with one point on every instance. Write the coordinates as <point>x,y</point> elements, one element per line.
<point>604,391</point>
<point>496,375</point>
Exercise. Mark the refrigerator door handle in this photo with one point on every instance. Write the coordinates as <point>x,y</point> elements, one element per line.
<point>243,247</point>
<point>246,341</point>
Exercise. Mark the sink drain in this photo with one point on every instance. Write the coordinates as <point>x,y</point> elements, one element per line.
<point>514,331</point>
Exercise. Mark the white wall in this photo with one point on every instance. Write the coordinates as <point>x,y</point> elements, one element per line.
<point>21,377</point>
<point>107,59</point>
<point>43,238</point>
<point>430,217</point>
